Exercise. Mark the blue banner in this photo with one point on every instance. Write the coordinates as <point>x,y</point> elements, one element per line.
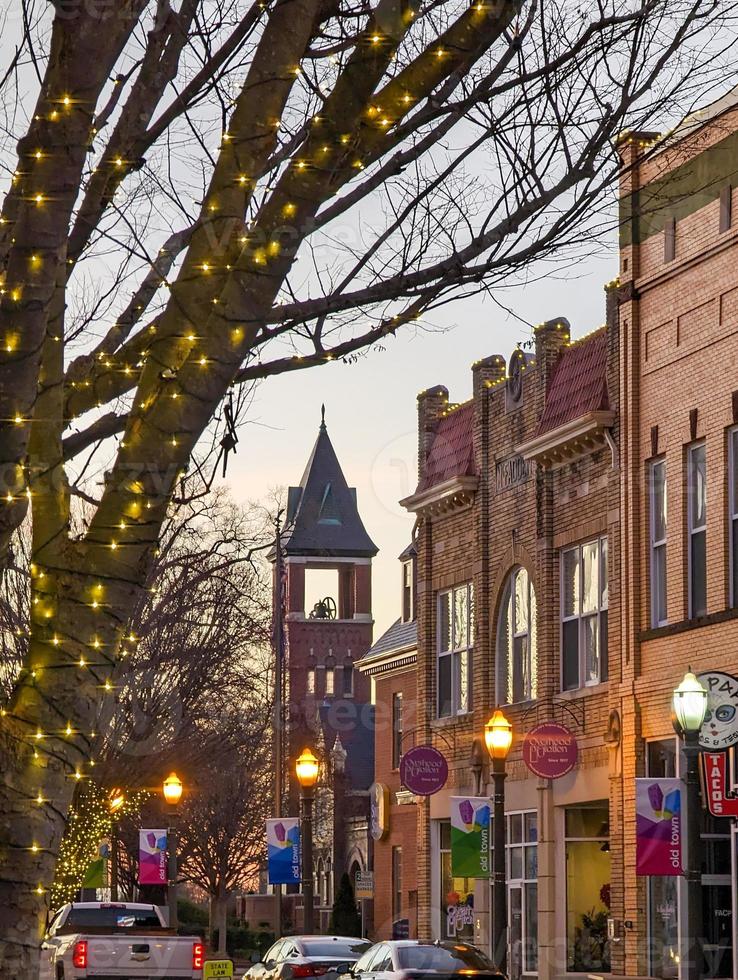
<point>283,851</point>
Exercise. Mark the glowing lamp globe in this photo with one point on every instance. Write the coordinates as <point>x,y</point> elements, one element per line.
<point>306,768</point>
<point>498,736</point>
<point>690,704</point>
<point>172,789</point>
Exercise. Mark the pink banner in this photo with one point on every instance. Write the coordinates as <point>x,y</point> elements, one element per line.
<point>659,827</point>
<point>152,857</point>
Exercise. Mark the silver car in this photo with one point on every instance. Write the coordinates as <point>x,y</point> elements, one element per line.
<point>411,959</point>
<point>296,957</point>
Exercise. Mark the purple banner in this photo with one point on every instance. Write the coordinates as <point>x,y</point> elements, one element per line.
<point>659,826</point>
<point>152,857</point>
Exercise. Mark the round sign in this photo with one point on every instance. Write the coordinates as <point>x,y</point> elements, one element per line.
<point>720,727</point>
<point>423,770</point>
<point>550,750</point>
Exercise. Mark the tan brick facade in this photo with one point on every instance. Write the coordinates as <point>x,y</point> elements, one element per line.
<point>520,514</point>
<point>678,323</point>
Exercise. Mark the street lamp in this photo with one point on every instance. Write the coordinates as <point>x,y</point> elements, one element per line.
<point>307,768</point>
<point>172,790</point>
<point>116,799</point>
<point>689,705</point>
<point>498,739</point>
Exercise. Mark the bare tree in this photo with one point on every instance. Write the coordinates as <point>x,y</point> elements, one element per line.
<point>223,824</point>
<point>167,169</point>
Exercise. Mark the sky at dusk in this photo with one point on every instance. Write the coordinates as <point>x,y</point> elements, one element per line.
<point>371,405</point>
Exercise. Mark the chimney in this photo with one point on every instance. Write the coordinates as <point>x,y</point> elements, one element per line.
<point>431,404</point>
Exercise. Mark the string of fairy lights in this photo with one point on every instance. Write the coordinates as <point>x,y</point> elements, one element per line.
<point>107,643</point>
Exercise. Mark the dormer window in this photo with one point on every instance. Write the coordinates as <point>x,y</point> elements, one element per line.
<point>408,591</point>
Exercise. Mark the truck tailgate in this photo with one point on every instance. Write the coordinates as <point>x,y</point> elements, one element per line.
<point>139,958</point>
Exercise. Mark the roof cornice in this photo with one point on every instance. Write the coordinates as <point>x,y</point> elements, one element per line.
<point>451,495</point>
<point>566,442</point>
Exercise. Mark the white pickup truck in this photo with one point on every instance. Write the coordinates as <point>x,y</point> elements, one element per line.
<point>117,941</point>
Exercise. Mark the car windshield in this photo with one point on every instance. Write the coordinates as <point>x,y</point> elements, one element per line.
<point>349,949</point>
<point>111,917</point>
<point>443,958</point>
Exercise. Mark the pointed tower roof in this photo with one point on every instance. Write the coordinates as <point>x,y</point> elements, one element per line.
<point>322,515</point>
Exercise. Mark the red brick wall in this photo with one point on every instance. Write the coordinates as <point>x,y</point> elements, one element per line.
<point>403,821</point>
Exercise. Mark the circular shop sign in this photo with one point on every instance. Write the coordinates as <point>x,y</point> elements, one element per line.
<point>720,727</point>
<point>550,750</point>
<point>423,770</point>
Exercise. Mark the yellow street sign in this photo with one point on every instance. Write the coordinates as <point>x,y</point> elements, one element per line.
<point>217,968</point>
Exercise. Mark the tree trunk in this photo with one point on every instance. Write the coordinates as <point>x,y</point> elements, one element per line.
<point>219,922</point>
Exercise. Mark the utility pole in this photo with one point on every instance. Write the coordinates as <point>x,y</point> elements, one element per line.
<point>278,643</point>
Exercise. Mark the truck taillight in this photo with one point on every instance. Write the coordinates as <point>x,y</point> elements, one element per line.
<point>198,956</point>
<point>79,955</point>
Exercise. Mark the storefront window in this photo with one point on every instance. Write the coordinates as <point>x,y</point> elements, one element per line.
<point>587,888</point>
<point>457,894</point>
<point>717,899</point>
<point>522,876</point>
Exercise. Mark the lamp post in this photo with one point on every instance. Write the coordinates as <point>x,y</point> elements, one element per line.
<point>689,704</point>
<point>307,776</point>
<point>498,739</point>
<point>116,799</point>
<point>172,790</point>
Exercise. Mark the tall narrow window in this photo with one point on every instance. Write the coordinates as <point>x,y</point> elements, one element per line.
<point>455,639</point>
<point>329,680</point>
<point>726,208</point>
<point>396,883</point>
<point>733,513</point>
<point>670,240</point>
<point>517,660</point>
<point>584,602</point>
<point>697,528</point>
<point>348,680</point>
<point>408,597</point>
<point>311,680</point>
<point>396,729</point>
<point>658,542</point>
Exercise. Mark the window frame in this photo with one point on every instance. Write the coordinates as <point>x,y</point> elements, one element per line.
<point>693,531</point>
<point>582,617</point>
<point>509,598</point>
<point>408,591</point>
<point>456,654</point>
<point>397,728</point>
<point>329,688</point>
<point>397,870</point>
<point>523,845</point>
<point>655,545</point>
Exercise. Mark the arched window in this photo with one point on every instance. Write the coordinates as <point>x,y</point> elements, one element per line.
<point>517,659</point>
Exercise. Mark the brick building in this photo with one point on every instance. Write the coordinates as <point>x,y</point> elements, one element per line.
<point>392,665</point>
<point>327,557</point>
<point>518,606</point>
<point>678,321</point>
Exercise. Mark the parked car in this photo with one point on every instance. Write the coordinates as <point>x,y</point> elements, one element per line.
<point>411,959</point>
<point>85,940</point>
<point>308,956</point>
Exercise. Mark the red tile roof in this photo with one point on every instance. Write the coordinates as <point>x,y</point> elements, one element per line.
<point>578,383</point>
<point>452,450</point>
